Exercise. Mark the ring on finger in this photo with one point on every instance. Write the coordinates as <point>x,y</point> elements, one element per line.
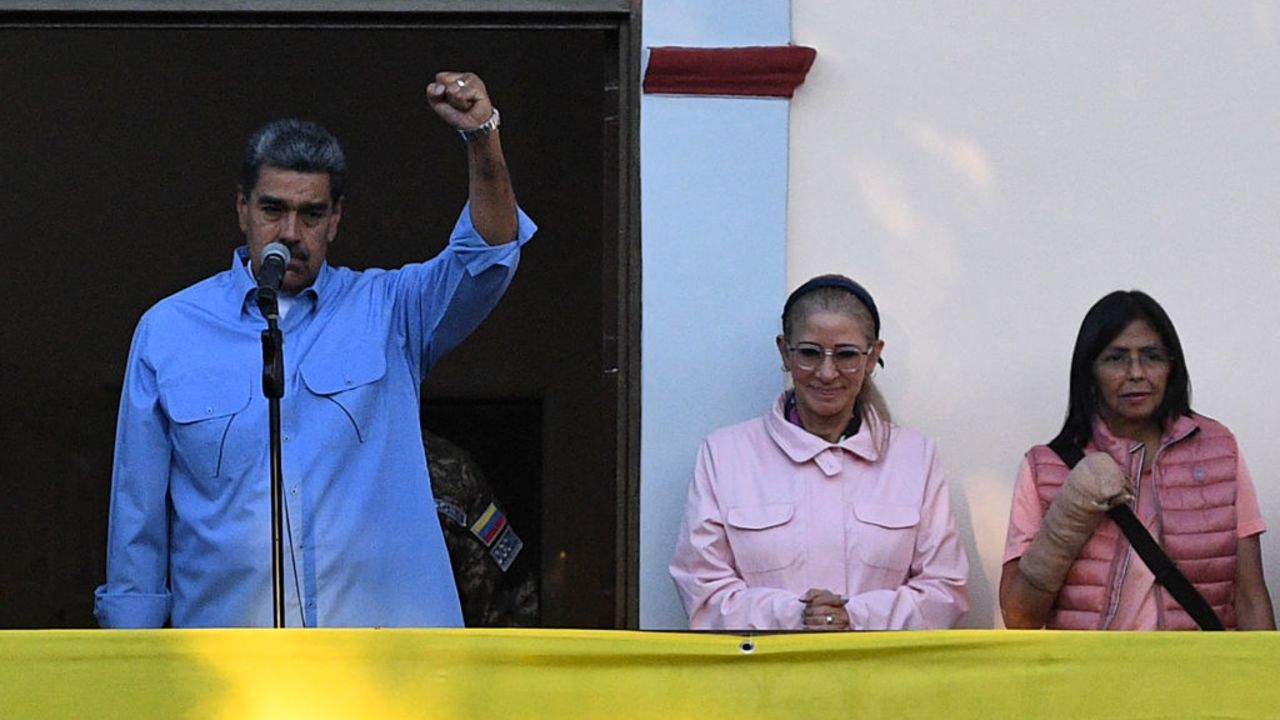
<point>830,619</point>
<point>461,83</point>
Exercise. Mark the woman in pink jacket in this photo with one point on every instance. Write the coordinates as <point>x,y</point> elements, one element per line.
<point>1067,565</point>
<point>821,515</point>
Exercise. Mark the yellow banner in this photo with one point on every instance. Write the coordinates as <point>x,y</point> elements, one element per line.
<point>496,674</point>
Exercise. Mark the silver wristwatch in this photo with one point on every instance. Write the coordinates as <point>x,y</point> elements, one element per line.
<point>483,129</point>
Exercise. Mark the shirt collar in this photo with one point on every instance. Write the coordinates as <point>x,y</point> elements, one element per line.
<point>246,286</point>
<point>1119,448</point>
<point>802,446</point>
<point>242,282</point>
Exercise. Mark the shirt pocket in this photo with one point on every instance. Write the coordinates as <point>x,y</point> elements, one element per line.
<point>763,537</point>
<point>203,409</point>
<point>347,378</point>
<point>886,534</point>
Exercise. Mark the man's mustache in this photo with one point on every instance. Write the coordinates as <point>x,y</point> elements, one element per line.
<point>297,252</point>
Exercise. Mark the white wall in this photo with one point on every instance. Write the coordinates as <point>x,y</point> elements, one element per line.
<point>990,169</point>
<point>713,175</point>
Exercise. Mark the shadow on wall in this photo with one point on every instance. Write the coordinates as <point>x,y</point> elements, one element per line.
<point>984,611</point>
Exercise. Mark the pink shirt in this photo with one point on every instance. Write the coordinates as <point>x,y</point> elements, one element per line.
<point>1138,607</point>
<point>774,510</point>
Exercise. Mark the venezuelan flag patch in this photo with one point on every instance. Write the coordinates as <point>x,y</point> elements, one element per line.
<point>489,525</point>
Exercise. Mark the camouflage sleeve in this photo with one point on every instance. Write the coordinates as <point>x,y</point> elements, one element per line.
<point>495,588</point>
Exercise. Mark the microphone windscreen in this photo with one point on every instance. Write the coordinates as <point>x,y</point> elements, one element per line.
<point>276,249</point>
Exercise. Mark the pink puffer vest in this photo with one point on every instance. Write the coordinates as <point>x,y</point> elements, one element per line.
<point>1195,482</point>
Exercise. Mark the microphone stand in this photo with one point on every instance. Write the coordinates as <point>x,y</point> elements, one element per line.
<point>273,389</point>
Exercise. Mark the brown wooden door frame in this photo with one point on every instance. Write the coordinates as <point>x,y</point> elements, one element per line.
<point>620,343</point>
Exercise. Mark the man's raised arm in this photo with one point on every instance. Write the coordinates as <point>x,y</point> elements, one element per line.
<point>460,99</point>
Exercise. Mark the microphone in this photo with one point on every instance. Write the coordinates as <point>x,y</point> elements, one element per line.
<point>275,259</point>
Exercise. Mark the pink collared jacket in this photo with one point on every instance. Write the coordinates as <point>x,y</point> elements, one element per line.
<point>774,510</point>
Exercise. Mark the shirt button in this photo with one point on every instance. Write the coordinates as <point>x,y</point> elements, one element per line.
<point>830,465</point>
<point>208,411</point>
<point>293,490</point>
<point>347,381</point>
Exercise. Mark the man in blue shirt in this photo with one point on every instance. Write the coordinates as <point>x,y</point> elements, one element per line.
<point>189,534</point>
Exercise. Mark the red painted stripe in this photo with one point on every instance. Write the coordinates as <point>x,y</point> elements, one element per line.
<point>774,71</point>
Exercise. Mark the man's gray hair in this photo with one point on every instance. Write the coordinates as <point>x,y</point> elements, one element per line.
<point>298,145</point>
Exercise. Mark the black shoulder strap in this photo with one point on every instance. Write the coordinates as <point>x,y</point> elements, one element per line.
<point>1164,569</point>
<point>1069,452</point>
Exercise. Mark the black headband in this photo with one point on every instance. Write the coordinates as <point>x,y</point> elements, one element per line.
<point>834,281</point>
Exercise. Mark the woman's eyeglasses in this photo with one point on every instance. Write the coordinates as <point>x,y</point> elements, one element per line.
<point>810,356</point>
<point>1117,362</point>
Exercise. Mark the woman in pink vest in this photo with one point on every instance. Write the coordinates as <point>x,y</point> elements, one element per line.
<point>1066,564</point>
<point>821,515</point>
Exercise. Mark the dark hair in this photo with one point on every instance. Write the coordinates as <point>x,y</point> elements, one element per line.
<point>297,145</point>
<point>1102,324</point>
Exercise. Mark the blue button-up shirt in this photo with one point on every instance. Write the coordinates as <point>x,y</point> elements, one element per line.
<point>189,539</point>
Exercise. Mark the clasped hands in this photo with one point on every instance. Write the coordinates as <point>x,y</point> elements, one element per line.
<point>824,610</point>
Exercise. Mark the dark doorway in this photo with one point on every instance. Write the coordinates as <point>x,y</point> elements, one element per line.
<point>119,153</point>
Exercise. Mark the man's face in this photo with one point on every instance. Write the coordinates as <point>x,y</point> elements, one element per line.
<point>295,209</point>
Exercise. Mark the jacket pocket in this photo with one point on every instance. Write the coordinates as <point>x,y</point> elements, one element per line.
<point>203,407</point>
<point>763,537</point>
<point>347,377</point>
<point>886,534</point>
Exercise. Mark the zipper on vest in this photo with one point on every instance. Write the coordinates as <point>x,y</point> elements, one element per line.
<point>1161,621</point>
<point>1138,451</point>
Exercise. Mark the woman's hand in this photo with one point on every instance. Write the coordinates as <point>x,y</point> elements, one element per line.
<point>824,610</point>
